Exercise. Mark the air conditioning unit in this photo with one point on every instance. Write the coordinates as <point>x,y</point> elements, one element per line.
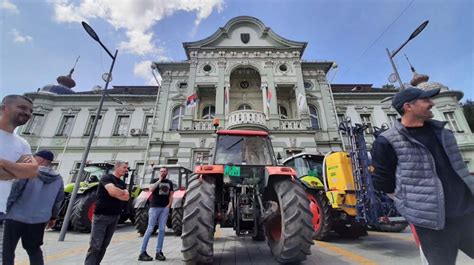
<point>135,132</point>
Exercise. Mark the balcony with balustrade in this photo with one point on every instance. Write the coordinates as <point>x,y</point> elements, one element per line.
<point>246,119</point>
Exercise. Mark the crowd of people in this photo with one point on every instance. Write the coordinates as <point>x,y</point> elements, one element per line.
<point>417,162</point>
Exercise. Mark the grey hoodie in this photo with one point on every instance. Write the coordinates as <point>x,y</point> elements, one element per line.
<point>36,200</point>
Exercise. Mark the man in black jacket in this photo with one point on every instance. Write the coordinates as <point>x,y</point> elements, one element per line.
<point>111,195</point>
<point>420,161</point>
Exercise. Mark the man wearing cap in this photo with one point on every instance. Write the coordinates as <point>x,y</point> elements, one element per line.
<point>33,205</point>
<point>419,160</point>
<point>15,153</point>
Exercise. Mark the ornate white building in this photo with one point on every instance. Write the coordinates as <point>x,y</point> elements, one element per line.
<point>245,75</point>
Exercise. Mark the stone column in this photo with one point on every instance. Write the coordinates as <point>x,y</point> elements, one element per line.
<point>220,89</point>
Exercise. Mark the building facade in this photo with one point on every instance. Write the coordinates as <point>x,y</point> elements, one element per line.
<point>244,75</point>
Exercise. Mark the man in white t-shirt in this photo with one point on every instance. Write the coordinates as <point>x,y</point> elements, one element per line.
<point>16,161</point>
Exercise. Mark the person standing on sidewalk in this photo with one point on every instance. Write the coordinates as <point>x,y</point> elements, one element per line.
<point>16,160</point>
<point>111,195</point>
<point>160,205</point>
<point>33,205</point>
<point>420,161</point>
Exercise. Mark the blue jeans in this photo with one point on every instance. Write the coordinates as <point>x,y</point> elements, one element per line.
<point>155,214</point>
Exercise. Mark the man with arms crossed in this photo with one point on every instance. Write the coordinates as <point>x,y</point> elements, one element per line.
<point>161,199</point>
<point>420,161</point>
<point>15,153</point>
<point>111,195</point>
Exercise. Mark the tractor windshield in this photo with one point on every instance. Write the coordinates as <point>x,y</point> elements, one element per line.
<point>307,165</point>
<point>243,150</point>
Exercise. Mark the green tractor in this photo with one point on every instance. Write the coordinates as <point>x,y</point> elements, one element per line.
<point>84,205</point>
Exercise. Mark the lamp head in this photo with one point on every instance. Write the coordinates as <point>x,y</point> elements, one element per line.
<point>90,31</point>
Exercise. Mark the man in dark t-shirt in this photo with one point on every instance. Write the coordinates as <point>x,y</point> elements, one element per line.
<point>111,195</point>
<point>160,204</point>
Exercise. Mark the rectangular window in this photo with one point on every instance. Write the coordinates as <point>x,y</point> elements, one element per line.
<point>90,123</point>
<point>34,125</point>
<point>341,117</point>
<point>201,158</point>
<point>65,127</point>
<point>451,119</point>
<point>392,118</point>
<point>171,161</point>
<point>139,167</point>
<point>74,172</point>
<point>147,125</point>
<point>367,120</point>
<point>121,126</point>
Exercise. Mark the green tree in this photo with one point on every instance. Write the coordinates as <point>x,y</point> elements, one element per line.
<point>388,86</point>
<point>468,109</point>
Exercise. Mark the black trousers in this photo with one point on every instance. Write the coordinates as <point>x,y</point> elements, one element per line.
<point>31,236</point>
<point>103,228</point>
<point>441,246</point>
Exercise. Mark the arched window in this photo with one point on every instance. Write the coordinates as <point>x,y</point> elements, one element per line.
<point>209,112</point>
<point>176,118</point>
<point>282,112</point>
<point>313,114</point>
<point>244,107</point>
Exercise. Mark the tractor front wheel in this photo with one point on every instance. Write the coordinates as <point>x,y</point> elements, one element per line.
<point>321,210</point>
<point>289,233</point>
<point>83,211</point>
<point>198,221</point>
<point>177,221</point>
<point>141,220</point>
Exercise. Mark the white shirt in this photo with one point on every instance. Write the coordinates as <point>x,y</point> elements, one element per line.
<point>12,147</point>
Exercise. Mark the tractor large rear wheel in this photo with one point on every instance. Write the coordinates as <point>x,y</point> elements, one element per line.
<point>177,221</point>
<point>141,220</point>
<point>198,221</point>
<point>321,210</point>
<point>289,234</point>
<point>83,211</point>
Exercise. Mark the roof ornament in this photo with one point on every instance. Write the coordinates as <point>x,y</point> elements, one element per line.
<point>417,78</point>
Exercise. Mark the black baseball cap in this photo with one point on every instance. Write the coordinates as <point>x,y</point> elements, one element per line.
<point>46,154</point>
<point>411,93</point>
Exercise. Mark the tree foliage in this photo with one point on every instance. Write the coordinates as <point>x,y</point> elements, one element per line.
<point>468,109</point>
<point>388,86</point>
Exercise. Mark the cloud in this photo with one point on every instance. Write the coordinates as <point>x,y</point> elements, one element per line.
<point>135,17</point>
<point>19,38</point>
<point>143,70</point>
<point>8,6</point>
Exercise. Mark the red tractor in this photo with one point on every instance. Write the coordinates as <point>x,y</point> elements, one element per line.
<point>245,189</point>
<point>179,176</point>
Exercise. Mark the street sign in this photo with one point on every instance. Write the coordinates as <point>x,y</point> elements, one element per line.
<point>392,78</point>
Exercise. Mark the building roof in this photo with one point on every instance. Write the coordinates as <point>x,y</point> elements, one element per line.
<point>355,88</point>
<point>126,90</point>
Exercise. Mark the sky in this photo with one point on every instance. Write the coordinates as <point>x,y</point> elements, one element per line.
<point>41,39</point>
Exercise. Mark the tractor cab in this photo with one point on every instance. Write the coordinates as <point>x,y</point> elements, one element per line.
<point>177,174</point>
<point>244,155</point>
<point>94,171</point>
<point>309,168</point>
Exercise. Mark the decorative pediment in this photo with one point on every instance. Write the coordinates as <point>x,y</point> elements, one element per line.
<point>244,31</point>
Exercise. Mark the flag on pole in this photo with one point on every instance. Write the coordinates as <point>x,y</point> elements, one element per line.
<point>301,103</point>
<point>191,101</point>
<point>269,97</point>
<point>226,97</point>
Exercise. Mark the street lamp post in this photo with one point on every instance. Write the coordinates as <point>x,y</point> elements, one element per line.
<point>67,218</point>
<point>392,54</point>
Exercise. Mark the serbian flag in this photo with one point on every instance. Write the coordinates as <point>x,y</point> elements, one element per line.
<point>269,97</point>
<point>191,101</point>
